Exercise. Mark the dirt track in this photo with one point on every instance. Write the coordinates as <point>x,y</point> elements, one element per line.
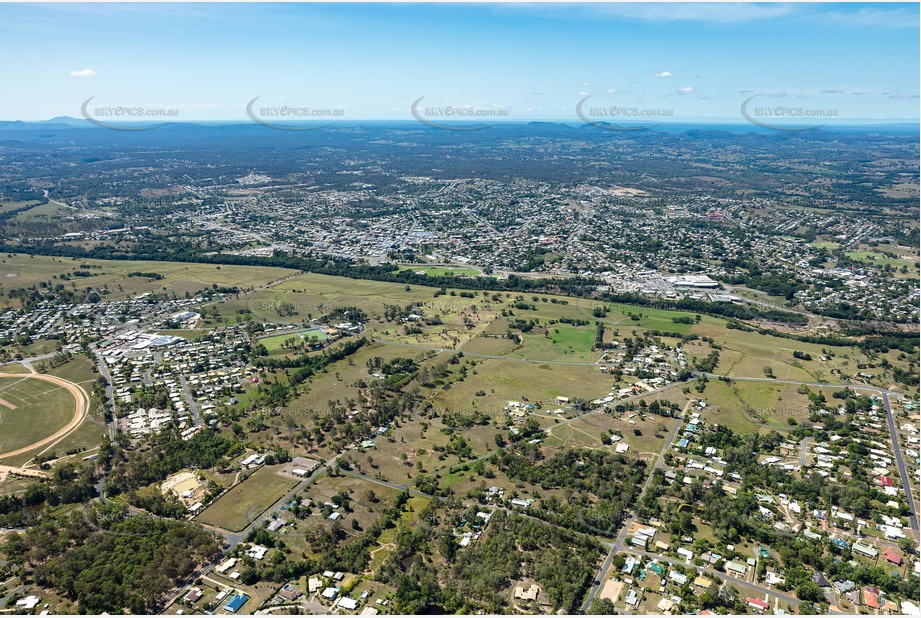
<point>80,410</point>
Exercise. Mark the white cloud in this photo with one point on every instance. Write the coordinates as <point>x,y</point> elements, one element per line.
<point>663,12</point>
<point>892,17</point>
<point>685,90</point>
<point>663,74</point>
<point>898,16</point>
<point>83,73</point>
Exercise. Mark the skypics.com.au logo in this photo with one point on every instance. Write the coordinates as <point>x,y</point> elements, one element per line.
<point>620,117</point>
<point>785,117</point>
<point>456,117</point>
<point>292,117</point>
<point>127,117</point>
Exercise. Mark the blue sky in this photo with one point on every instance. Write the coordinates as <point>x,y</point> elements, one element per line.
<point>535,61</point>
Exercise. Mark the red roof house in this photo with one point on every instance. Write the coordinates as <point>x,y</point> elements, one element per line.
<point>892,556</point>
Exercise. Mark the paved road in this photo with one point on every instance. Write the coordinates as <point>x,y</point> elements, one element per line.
<point>726,579</point>
<point>110,390</point>
<point>193,405</point>
<point>618,544</point>
<point>6,598</point>
<point>804,451</point>
<point>900,462</point>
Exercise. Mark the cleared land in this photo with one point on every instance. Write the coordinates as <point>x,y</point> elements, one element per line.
<point>23,271</point>
<point>436,271</point>
<point>247,501</point>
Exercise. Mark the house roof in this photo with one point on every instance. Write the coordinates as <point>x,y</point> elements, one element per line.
<point>892,556</point>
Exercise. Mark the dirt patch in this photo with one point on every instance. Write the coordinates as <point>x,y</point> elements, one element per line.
<point>611,590</point>
<point>186,486</point>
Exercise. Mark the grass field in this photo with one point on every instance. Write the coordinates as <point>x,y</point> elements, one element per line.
<point>437,271</point>
<point>275,342</point>
<point>246,502</point>
<point>23,271</point>
<point>572,338</point>
<point>41,409</point>
<point>872,257</point>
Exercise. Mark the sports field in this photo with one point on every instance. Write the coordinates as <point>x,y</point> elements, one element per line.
<point>437,271</point>
<point>276,342</point>
<point>247,501</point>
<point>31,409</point>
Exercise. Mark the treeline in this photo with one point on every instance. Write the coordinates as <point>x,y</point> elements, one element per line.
<point>305,367</point>
<point>126,568</point>
<point>11,213</point>
<point>576,286</point>
<point>724,310</point>
<point>877,341</point>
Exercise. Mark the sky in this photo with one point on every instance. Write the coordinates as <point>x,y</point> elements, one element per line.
<point>578,62</point>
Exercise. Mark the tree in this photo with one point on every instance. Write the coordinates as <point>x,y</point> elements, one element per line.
<point>602,607</point>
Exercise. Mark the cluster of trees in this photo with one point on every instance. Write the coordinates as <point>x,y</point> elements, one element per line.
<point>164,454</point>
<point>68,484</point>
<point>560,561</point>
<point>127,567</point>
<point>602,485</point>
<point>148,275</point>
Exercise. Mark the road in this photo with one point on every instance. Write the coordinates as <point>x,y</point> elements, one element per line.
<point>900,462</point>
<point>865,387</point>
<point>397,486</point>
<point>726,579</point>
<point>193,405</point>
<point>804,451</point>
<point>110,390</point>
<point>6,598</point>
<point>618,544</point>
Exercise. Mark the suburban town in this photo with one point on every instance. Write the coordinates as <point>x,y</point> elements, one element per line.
<point>466,309</point>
